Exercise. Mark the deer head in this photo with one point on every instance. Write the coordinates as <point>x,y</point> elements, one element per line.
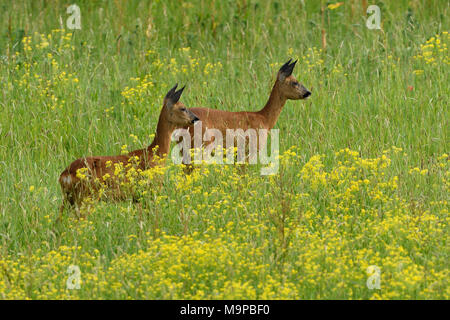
<point>175,111</point>
<point>289,87</point>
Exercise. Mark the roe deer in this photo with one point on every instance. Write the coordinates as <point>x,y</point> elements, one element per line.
<point>286,87</point>
<point>173,115</point>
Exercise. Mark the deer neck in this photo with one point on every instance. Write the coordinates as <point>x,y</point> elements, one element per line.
<point>161,142</point>
<point>159,146</point>
<point>273,107</point>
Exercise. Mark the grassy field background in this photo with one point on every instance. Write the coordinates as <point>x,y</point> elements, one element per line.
<point>364,175</point>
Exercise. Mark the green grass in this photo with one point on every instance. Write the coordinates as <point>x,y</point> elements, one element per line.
<point>288,236</point>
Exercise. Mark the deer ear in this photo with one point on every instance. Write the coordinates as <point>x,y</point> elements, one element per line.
<point>177,95</point>
<point>286,69</point>
<point>168,99</point>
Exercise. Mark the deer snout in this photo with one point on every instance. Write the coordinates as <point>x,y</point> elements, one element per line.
<point>192,116</point>
<point>307,94</point>
<point>195,120</point>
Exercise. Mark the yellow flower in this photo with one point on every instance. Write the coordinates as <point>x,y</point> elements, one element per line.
<point>81,173</point>
<point>336,5</point>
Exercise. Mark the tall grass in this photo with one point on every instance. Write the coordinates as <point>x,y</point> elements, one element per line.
<point>223,232</point>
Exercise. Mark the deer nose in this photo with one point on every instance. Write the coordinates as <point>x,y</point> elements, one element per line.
<point>307,94</point>
<point>195,120</point>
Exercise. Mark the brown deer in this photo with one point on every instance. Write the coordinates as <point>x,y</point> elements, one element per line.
<point>75,188</point>
<point>286,87</point>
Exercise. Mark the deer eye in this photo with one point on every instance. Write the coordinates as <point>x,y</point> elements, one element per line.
<point>183,109</point>
<point>295,83</point>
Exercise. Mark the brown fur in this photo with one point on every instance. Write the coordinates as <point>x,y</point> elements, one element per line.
<point>285,87</point>
<point>173,115</point>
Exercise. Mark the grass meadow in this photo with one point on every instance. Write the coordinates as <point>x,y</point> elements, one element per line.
<point>362,189</point>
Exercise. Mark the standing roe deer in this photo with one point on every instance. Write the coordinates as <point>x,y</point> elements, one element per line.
<point>173,115</point>
<point>286,87</point>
